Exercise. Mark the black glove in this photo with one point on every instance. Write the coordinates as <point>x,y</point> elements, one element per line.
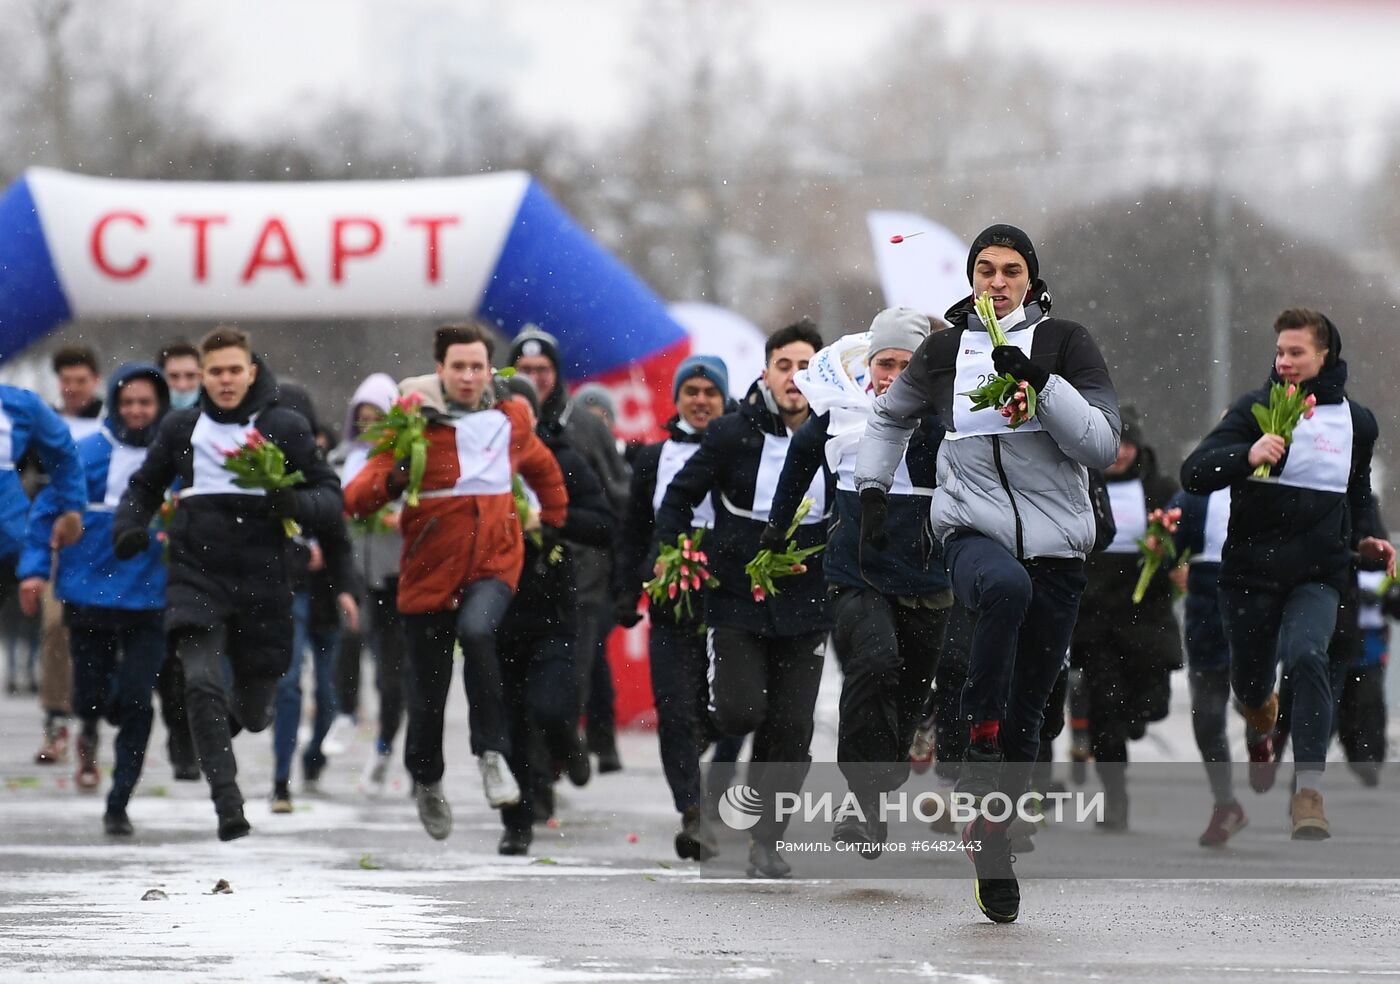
<point>282,503</point>
<point>549,538</point>
<point>397,480</point>
<point>625,612</point>
<point>874,506</point>
<point>129,543</point>
<point>1008,358</point>
<point>773,538</point>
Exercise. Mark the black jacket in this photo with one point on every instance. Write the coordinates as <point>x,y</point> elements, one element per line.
<point>1112,576</point>
<point>635,550</point>
<point>1282,536</point>
<point>911,565</point>
<point>546,600</point>
<point>728,465</point>
<point>228,552</point>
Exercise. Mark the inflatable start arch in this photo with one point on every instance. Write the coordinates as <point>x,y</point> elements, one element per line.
<point>496,246</point>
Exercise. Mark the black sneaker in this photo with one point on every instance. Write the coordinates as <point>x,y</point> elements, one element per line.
<point>997,892</point>
<point>577,764</point>
<point>981,769</point>
<point>868,835</point>
<point>515,842</point>
<point>116,824</point>
<point>766,862</point>
<point>281,797</point>
<point>232,824</point>
<point>696,840</point>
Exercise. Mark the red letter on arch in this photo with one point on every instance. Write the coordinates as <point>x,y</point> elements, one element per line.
<point>340,252</point>
<point>286,258</point>
<point>201,225</point>
<point>433,223</point>
<point>99,255</point>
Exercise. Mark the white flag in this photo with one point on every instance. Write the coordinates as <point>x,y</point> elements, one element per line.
<point>927,272</point>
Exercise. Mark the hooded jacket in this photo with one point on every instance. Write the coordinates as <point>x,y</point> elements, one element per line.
<point>1303,524</point>
<point>465,527</point>
<point>227,549</point>
<point>1027,489</point>
<point>89,574</point>
<point>376,553</point>
<point>27,427</point>
<point>739,461</point>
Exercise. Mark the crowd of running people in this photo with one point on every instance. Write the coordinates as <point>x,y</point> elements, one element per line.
<point>976,582</point>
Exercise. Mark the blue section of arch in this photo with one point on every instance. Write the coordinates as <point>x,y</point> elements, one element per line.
<point>32,303</point>
<point>552,274</point>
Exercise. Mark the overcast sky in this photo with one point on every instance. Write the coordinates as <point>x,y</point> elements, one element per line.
<point>573,62</point>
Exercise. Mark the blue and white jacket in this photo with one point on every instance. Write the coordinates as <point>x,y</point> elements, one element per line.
<point>89,574</point>
<point>25,424</point>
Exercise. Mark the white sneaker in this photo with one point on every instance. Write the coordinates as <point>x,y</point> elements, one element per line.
<point>339,739</point>
<point>376,774</point>
<point>496,778</point>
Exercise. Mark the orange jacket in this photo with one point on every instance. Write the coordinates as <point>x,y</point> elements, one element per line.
<point>464,528</point>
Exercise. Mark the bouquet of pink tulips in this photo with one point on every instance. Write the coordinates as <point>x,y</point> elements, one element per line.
<point>1287,406</point>
<point>1156,547</point>
<point>684,574</point>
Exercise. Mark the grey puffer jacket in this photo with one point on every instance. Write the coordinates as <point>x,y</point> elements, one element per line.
<point>1028,490</point>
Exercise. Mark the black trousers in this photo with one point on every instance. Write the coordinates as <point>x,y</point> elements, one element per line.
<point>430,640</point>
<point>541,694</point>
<point>767,685</point>
<point>887,652</point>
<point>220,700</point>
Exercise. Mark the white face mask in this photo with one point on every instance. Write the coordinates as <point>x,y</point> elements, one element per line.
<point>183,401</point>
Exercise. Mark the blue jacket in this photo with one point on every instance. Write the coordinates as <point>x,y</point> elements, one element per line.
<point>25,423</point>
<point>89,573</point>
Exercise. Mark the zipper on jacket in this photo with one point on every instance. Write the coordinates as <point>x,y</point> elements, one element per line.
<point>1016,513</point>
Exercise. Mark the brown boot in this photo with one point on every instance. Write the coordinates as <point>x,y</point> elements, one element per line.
<point>1309,822</point>
<point>1262,719</point>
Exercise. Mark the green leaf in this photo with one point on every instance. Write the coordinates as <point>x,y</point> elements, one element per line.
<point>367,863</point>
<point>544,861</point>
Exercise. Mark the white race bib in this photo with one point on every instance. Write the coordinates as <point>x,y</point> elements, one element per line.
<point>674,455</point>
<point>1217,526</point>
<point>770,469</point>
<point>1319,456</point>
<point>1129,503</point>
<point>209,440</point>
<point>974,369</point>
<point>7,442</point>
<point>125,460</point>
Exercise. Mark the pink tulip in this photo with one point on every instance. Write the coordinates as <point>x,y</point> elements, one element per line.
<point>796,568</point>
<point>671,590</point>
<point>686,544</point>
<point>256,439</point>
<point>1308,413</point>
<point>696,583</point>
<point>704,573</point>
<point>1311,401</point>
<point>699,557</point>
<point>758,593</point>
<point>1292,389</point>
<point>685,571</point>
<point>1153,543</point>
<point>686,555</point>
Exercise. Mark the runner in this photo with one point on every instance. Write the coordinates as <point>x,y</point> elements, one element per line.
<point>228,603</point>
<point>676,644</point>
<point>462,556</point>
<point>112,609</point>
<point>1288,554</point>
<point>1011,507</point>
<point>890,606</point>
<point>765,657</point>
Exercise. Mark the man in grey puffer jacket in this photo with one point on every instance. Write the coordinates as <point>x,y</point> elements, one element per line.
<point>1011,508</point>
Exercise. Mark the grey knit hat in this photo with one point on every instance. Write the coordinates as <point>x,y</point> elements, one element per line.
<point>897,328</point>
